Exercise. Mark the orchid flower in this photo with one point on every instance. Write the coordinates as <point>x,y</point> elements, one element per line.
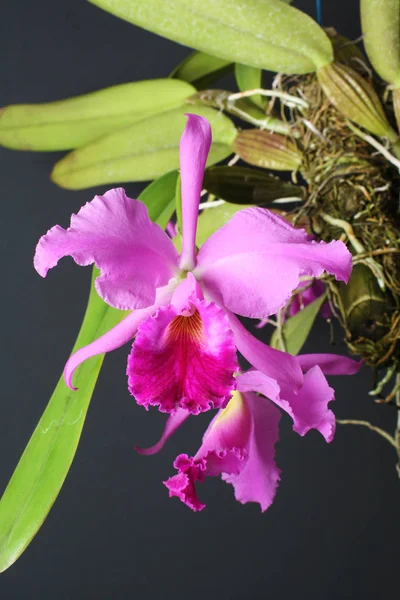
<point>184,305</point>
<point>239,443</point>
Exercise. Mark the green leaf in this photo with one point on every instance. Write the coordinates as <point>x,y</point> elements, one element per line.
<point>268,34</point>
<point>380,20</point>
<point>202,69</point>
<point>143,151</point>
<point>47,458</point>
<point>159,197</point>
<point>242,185</point>
<point>212,219</point>
<point>249,78</point>
<point>45,462</point>
<point>297,328</point>
<point>77,121</point>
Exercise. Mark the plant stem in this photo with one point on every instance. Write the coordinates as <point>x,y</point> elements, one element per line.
<point>286,98</point>
<point>369,425</point>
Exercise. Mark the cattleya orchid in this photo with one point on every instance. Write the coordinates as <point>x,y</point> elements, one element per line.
<point>239,443</point>
<point>184,324</point>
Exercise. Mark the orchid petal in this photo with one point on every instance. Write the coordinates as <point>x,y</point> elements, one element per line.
<point>194,148</point>
<point>308,407</point>
<point>116,337</point>
<point>255,381</point>
<point>254,262</point>
<point>224,450</point>
<point>330,364</point>
<point>239,445</point>
<point>259,478</point>
<point>183,357</point>
<point>134,255</point>
<point>171,425</point>
<point>277,365</point>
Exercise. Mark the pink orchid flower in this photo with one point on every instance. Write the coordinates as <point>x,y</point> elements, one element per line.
<point>183,305</point>
<point>239,443</point>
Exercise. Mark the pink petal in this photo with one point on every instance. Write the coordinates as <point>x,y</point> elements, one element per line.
<point>183,358</point>
<point>182,485</point>
<point>258,480</point>
<point>194,148</point>
<point>308,407</point>
<point>280,366</point>
<point>239,445</point>
<point>330,364</point>
<point>134,255</point>
<point>171,425</point>
<point>224,450</point>
<point>171,229</point>
<point>254,262</point>
<point>116,337</point>
<point>255,381</point>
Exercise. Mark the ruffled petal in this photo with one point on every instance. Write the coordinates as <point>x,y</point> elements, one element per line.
<point>182,485</point>
<point>259,478</point>
<point>280,366</point>
<point>134,255</point>
<point>224,450</point>
<point>308,407</point>
<point>239,445</point>
<point>330,364</point>
<point>115,338</point>
<point>171,425</point>
<point>254,262</point>
<point>194,148</point>
<point>183,357</point>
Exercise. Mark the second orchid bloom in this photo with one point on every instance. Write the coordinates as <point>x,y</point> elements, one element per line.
<point>185,329</point>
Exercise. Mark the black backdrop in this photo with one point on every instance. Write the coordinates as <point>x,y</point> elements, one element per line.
<point>333,531</point>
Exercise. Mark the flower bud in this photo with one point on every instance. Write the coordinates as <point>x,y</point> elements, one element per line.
<point>242,185</point>
<point>268,150</point>
<point>355,98</point>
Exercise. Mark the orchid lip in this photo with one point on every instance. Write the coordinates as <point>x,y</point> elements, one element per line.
<point>184,356</point>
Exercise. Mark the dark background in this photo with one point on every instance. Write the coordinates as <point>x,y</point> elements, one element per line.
<point>333,531</point>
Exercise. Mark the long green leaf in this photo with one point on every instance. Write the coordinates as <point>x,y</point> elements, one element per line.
<point>202,69</point>
<point>297,328</point>
<point>47,458</point>
<point>45,462</point>
<point>143,151</point>
<point>380,20</point>
<point>74,122</point>
<point>269,34</point>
